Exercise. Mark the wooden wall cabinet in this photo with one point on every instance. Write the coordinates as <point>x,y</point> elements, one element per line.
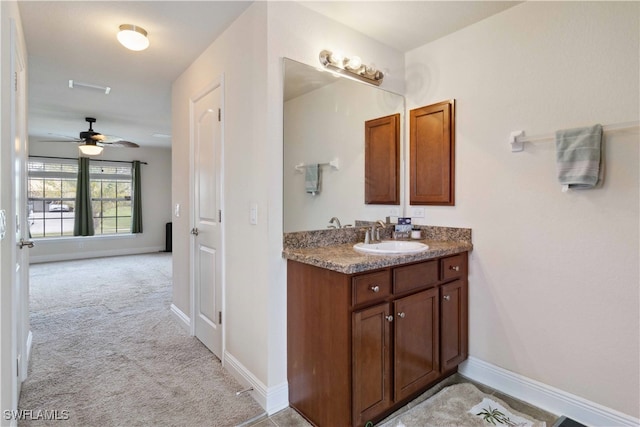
<point>432,154</point>
<point>360,346</point>
<point>382,160</point>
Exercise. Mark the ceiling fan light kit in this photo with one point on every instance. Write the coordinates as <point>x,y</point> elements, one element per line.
<point>90,149</point>
<point>133,37</point>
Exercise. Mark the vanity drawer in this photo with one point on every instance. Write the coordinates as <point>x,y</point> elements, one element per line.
<point>452,267</point>
<point>415,276</point>
<point>371,287</point>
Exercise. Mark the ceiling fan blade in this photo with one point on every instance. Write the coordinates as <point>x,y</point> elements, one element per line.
<point>110,138</point>
<point>121,144</point>
<point>75,141</point>
<point>66,138</point>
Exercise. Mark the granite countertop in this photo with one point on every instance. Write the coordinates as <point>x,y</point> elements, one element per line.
<point>344,259</point>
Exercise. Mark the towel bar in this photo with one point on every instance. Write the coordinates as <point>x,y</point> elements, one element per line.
<point>517,138</point>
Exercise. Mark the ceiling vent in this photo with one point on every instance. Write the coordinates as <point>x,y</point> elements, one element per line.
<point>74,84</point>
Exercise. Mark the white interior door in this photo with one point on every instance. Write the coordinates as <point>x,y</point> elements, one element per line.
<point>207,274</point>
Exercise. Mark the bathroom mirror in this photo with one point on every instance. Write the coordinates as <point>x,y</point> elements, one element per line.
<point>324,124</point>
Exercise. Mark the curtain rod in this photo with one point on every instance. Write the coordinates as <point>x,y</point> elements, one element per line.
<point>93,160</point>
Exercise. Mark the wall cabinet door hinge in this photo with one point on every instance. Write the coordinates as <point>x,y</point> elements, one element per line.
<point>219,215</point>
<point>220,318</point>
<point>15,81</point>
<point>219,114</point>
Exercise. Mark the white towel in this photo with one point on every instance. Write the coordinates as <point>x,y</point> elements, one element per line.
<point>312,179</point>
<point>578,155</point>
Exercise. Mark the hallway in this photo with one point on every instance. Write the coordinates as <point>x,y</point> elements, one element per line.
<point>107,352</point>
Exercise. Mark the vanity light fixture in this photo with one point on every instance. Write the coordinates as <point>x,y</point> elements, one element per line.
<point>133,37</point>
<point>352,67</point>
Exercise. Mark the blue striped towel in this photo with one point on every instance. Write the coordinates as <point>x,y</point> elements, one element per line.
<point>578,156</point>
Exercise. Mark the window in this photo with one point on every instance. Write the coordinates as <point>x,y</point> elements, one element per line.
<point>52,193</point>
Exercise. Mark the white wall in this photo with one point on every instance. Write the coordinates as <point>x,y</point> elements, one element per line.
<point>239,54</point>
<point>250,55</point>
<point>553,276</point>
<point>328,124</point>
<point>156,207</point>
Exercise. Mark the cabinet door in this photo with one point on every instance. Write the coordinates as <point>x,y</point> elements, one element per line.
<point>454,328</point>
<point>432,154</point>
<point>416,342</point>
<point>371,362</point>
<point>382,160</point>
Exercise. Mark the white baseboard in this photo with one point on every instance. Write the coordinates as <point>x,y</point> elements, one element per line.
<point>183,320</point>
<point>272,399</point>
<point>69,256</point>
<point>544,396</point>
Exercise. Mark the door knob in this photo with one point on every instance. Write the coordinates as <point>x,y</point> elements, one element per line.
<point>27,243</point>
<point>195,231</point>
<point>375,288</point>
<point>401,315</point>
<point>447,297</point>
<point>389,318</point>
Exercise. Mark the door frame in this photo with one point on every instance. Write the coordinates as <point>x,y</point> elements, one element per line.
<point>218,82</point>
<point>14,314</point>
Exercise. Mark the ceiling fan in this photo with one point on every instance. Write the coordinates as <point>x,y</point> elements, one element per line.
<point>93,138</point>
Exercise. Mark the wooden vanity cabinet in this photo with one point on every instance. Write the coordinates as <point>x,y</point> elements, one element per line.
<point>360,346</point>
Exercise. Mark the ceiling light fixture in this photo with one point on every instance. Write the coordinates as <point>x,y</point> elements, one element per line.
<point>133,37</point>
<point>351,67</point>
<point>90,149</point>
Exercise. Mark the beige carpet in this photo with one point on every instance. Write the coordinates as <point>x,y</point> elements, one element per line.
<point>451,407</point>
<point>107,350</point>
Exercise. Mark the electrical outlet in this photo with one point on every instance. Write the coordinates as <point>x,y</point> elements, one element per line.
<point>393,212</point>
<point>417,212</point>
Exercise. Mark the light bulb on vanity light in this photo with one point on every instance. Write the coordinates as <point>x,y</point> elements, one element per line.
<point>336,58</point>
<point>354,63</point>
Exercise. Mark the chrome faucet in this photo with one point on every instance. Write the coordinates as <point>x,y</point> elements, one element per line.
<point>336,221</point>
<point>375,230</point>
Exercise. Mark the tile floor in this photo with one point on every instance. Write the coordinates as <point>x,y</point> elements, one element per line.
<point>290,418</point>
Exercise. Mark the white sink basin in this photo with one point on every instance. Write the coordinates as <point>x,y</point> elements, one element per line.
<point>391,247</point>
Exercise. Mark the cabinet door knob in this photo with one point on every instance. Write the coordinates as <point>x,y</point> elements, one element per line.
<point>375,288</point>
<point>389,318</point>
<point>446,297</point>
<point>401,315</point>
<point>454,267</point>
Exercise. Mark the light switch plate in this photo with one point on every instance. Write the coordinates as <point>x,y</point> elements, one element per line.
<point>3,223</point>
<point>253,214</point>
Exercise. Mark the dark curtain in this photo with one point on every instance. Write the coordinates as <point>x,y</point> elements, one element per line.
<point>83,222</point>
<point>136,208</point>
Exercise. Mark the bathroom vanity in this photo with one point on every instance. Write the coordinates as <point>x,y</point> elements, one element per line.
<point>366,333</point>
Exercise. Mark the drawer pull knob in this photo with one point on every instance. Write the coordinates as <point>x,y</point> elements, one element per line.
<point>454,267</point>
<point>389,318</point>
<point>447,297</point>
<point>375,288</point>
<point>401,315</point>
